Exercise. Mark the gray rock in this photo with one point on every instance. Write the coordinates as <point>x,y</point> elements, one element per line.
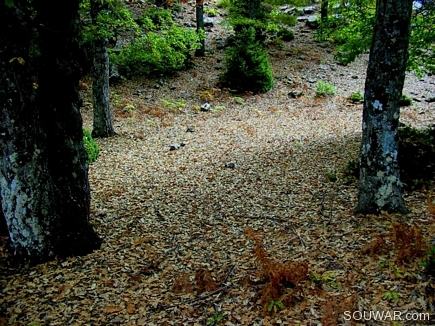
<point>312,21</point>
<point>230,165</point>
<point>324,67</point>
<point>184,143</point>
<point>430,98</point>
<point>354,76</point>
<point>309,10</point>
<point>311,80</point>
<point>206,107</point>
<point>190,129</point>
<point>174,147</point>
<point>208,22</point>
<point>149,97</point>
<point>295,94</point>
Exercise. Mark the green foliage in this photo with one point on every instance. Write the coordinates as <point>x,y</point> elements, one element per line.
<point>223,3</point>
<point>211,12</point>
<point>285,34</point>
<point>215,318</point>
<point>157,18</point>
<point>405,100</point>
<point>9,3</point>
<point>275,306</point>
<point>390,296</point>
<point>157,52</point>
<point>247,65</point>
<point>356,97</point>
<point>282,18</point>
<point>429,261</point>
<point>324,89</point>
<point>91,146</point>
<point>331,176</point>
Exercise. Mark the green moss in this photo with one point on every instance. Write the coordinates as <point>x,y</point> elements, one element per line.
<point>91,146</point>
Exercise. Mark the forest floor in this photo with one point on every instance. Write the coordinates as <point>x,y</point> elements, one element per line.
<point>253,211</point>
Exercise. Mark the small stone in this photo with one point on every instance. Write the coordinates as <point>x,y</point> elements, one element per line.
<point>190,129</point>
<point>354,77</point>
<point>172,87</point>
<point>431,98</point>
<point>230,165</point>
<point>311,80</point>
<point>309,10</point>
<point>312,21</point>
<point>208,22</point>
<point>324,67</point>
<point>149,97</point>
<point>174,147</point>
<point>295,94</point>
<point>206,107</point>
<point>156,86</point>
<point>184,143</point>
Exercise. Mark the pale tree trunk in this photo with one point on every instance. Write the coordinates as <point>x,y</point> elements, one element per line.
<point>102,125</point>
<point>44,176</point>
<point>379,183</point>
<point>200,26</point>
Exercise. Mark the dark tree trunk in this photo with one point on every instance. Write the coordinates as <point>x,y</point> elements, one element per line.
<point>102,125</point>
<point>379,184</point>
<point>324,10</point>
<point>44,176</point>
<point>200,26</point>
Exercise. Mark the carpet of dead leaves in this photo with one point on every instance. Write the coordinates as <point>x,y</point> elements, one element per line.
<point>249,223</point>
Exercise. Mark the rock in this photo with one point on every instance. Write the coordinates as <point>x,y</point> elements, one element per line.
<point>230,165</point>
<point>431,98</point>
<point>206,107</point>
<point>174,147</point>
<point>184,143</point>
<point>354,77</point>
<point>309,10</point>
<point>208,22</point>
<point>311,80</point>
<point>312,21</point>
<point>323,67</point>
<point>283,7</point>
<point>416,99</point>
<point>190,129</point>
<point>172,87</point>
<point>295,94</point>
<point>114,76</point>
<point>149,97</point>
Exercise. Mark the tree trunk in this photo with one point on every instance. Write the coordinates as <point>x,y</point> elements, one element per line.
<point>324,10</point>
<point>379,183</point>
<point>200,26</point>
<point>102,125</point>
<point>44,176</point>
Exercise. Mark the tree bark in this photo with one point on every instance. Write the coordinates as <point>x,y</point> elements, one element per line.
<point>324,10</point>
<point>44,176</point>
<point>102,125</point>
<point>200,26</point>
<point>379,183</point>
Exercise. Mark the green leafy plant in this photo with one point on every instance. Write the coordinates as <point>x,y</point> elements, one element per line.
<point>211,12</point>
<point>91,146</point>
<point>429,261</point>
<point>173,105</point>
<point>405,100</point>
<point>217,316</point>
<point>275,306</point>
<point>247,65</point>
<point>356,97</point>
<point>285,34</point>
<point>390,296</point>
<point>223,3</point>
<point>324,89</point>
<point>331,176</point>
<point>157,52</point>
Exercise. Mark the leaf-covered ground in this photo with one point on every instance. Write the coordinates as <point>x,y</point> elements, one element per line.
<point>221,229</point>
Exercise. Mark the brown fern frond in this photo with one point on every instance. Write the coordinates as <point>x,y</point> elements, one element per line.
<point>204,281</point>
<point>182,284</point>
<point>377,246</point>
<point>409,242</point>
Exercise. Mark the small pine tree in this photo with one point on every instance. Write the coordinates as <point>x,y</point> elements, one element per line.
<point>247,65</point>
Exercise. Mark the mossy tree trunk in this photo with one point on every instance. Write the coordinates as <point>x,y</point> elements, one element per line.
<point>44,176</point>
<point>200,26</point>
<point>102,125</point>
<point>379,183</point>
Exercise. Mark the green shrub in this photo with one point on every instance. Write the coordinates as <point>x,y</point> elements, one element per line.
<point>285,34</point>
<point>247,65</point>
<point>324,89</point>
<point>211,12</point>
<point>429,261</point>
<point>223,3</point>
<point>356,97</point>
<point>405,100</point>
<point>91,146</point>
<point>160,18</point>
<point>157,52</point>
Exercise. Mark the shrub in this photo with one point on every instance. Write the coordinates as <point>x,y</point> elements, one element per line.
<point>157,52</point>
<point>429,261</point>
<point>247,65</point>
<point>223,3</point>
<point>356,97</point>
<point>285,34</point>
<point>405,100</point>
<point>324,89</point>
<point>91,146</point>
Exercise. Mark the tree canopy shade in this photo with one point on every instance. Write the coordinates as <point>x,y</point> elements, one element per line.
<point>44,175</point>
<point>379,184</point>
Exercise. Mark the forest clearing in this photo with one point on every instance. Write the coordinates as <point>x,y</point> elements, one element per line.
<point>238,214</point>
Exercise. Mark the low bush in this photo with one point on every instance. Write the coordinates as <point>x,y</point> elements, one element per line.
<point>324,89</point>
<point>91,146</point>
<point>247,65</point>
